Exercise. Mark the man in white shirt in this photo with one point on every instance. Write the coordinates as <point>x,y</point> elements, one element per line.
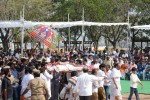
<point>115,85</point>
<point>49,76</point>
<point>133,84</point>
<point>26,79</point>
<point>94,86</point>
<point>96,65</point>
<point>120,61</point>
<point>84,85</point>
<point>101,73</point>
<point>125,54</point>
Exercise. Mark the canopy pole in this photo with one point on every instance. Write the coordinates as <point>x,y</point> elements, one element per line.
<point>22,32</point>
<point>83,33</point>
<point>129,32</point>
<point>69,32</point>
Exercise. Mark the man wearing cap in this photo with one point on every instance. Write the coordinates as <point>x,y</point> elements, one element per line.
<point>39,90</point>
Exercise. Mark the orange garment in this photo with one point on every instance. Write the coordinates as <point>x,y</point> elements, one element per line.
<point>22,98</point>
<point>123,68</point>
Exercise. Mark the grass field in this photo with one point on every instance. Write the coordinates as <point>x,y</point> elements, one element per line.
<point>126,87</point>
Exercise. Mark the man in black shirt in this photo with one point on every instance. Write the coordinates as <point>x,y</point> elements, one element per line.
<point>7,90</point>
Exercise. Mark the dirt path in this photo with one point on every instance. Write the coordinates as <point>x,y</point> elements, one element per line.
<point>142,97</point>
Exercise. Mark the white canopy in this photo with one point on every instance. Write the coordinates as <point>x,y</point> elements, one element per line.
<point>28,24</point>
<point>146,27</point>
<point>14,24</point>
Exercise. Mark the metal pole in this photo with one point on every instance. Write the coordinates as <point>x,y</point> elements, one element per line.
<point>83,29</point>
<point>69,32</point>
<point>22,32</point>
<point>128,32</point>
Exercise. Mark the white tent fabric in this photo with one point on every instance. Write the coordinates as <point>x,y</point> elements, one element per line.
<point>145,27</point>
<point>76,23</point>
<point>28,24</point>
<point>15,24</point>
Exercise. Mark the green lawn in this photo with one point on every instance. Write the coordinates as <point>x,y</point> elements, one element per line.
<point>126,87</point>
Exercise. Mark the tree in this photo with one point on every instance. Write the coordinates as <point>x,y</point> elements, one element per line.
<point>97,11</point>
<point>35,10</point>
<point>141,17</point>
<point>7,13</point>
<point>115,34</point>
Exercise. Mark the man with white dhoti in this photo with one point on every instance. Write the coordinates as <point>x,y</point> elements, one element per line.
<point>115,86</point>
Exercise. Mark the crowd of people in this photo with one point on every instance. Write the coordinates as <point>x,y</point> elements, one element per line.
<point>34,76</point>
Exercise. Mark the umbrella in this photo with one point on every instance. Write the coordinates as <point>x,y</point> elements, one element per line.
<point>44,34</point>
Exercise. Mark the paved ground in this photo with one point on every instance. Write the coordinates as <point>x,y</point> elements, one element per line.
<point>142,97</point>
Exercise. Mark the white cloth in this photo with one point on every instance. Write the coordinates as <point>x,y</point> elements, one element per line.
<point>117,54</point>
<point>48,81</point>
<point>88,62</point>
<point>96,66</point>
<point>63,94</point>
<point>133,80</point>
<point>100,73</point>
<point>116,74</point>
<point>43,77</point>
<point>84,84</point>
<point>121,62</point>
<point>95,86</point>
<point>68,76</point>
<point>108,79</point>
<point>100,61</point>
<point>26,79</point>
<point>125,55</point>
<point>17,55</point>
<point>80,73</point>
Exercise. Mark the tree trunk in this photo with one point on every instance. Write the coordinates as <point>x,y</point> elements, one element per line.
<point>96,45</point>
<point>114,45</point>
<point>106,42</point>
<point>5,45</point>
<point>5,38</point>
